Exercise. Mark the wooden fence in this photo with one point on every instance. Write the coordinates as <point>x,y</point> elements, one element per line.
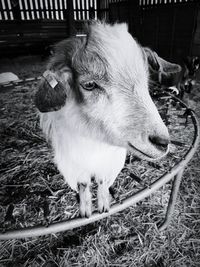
<point>28,26</point>
<point>171,27</point>
<point>46,9</point>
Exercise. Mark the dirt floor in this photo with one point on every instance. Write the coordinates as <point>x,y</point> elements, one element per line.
<point>33,192</point>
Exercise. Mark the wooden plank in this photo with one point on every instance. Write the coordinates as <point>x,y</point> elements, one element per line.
<point>34,9</point>
<point>44,9</point>
<point>48,9</point>
<point>4,10</point>
<point>76,9</point>
<point>54,9</point>
<point>43,6</point>
<point>23,11</point>
<point>7,9</point>
<point>1,10</point>
<point>81,9</point>
<point>26,10</point>
<point>59,10</point>
<point>11,11</point>
<point>39,9</point>
<point>87,9</point>
<point>29,9</point>
<point>64,9</point>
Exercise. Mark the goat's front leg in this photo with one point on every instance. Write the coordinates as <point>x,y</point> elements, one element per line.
<point>85,200</point>
<point>103,197</point>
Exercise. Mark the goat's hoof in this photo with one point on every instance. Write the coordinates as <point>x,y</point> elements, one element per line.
<point>103,210</point>
<point>85,213</point>
<point>85,204</point>
<point>85,209</point>
<point>103,198</point>
<point>104,206</point>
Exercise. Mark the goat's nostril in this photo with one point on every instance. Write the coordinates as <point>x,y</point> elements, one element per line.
<point>158,141</point>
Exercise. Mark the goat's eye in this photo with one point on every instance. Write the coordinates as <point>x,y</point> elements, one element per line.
<point>91,85</point>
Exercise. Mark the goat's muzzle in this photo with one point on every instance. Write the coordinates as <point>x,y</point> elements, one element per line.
<point>159,142</point>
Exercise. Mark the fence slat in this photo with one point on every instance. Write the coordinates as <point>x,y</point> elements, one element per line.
<point>7,9</point>
<point>86,9</point>
<point>1,9</point>
<point>54,9</point>
<point>29,9</point>
<point>48,9</point>
<point>44,9</point>
<point>11,10</point>
<point>26,10</point>
<point>81,9</point>
<point>34,9</point>
<point>39,9</point>
<point>59,9</point>
<point>23,9</point>
<point>64,10</point>
<point>76,9</point>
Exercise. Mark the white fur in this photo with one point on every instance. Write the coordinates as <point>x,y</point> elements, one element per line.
<point>78,156</point>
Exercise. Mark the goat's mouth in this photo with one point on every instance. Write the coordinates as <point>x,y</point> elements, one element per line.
<point>141,152</point>
<point>146,156</point>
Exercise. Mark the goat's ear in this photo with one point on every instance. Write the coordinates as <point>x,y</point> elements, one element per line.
<point>51,94</point>
<point>152,58</point>
<point>164,72</point>
<point>159,64</point>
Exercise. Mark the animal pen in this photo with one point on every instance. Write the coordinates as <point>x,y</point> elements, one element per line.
<point>35,24</point>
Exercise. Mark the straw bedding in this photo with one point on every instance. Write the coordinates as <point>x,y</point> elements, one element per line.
<point>33,192</point>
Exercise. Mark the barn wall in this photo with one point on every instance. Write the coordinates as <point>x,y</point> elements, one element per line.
<point>171,32</point>
<point>166,26</point>
<point>171,27</point>
<point>196,41</point>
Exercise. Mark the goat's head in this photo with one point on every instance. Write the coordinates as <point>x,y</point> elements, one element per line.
<point>104,93</point>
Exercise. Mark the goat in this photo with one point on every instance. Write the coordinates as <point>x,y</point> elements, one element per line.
<point>163,72</point>
<point>173,77</point>
<point>95,105</point>
<point>190,67</point>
